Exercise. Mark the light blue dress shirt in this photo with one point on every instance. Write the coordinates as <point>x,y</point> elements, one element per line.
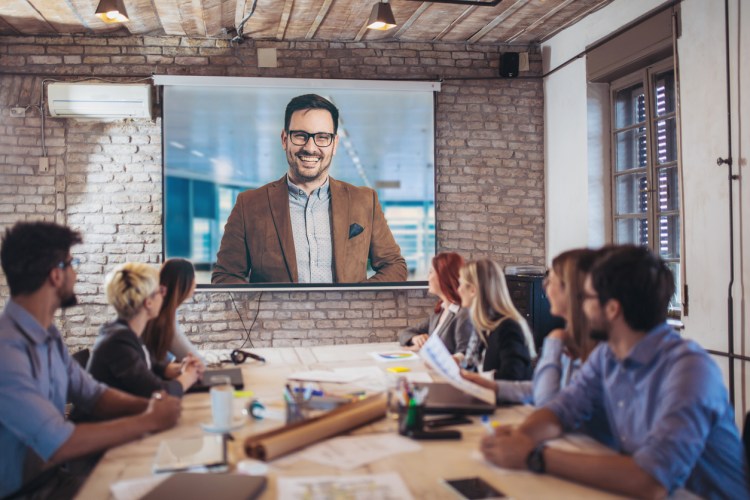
<point>311,228</point>
<point>667,407</point>
<point>37,376</point>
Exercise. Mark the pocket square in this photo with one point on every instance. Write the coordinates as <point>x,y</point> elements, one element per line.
<point>354,230</point>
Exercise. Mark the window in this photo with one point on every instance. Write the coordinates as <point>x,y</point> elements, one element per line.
<point>645,187</point>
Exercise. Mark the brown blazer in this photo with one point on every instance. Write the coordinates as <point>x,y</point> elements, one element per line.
<point>258,239</point>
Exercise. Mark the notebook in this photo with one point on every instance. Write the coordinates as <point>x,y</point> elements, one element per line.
<point>444,398</point>
<point>203,385</point>
<point>187,486</point>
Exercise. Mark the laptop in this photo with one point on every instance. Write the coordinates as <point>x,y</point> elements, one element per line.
<point>234,374</point>
<point>188,486</point>
<point>444,398</point>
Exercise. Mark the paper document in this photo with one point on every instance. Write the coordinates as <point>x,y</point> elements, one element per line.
<point>350,452</point>
<point>437,357</point>
<point>370,487</point>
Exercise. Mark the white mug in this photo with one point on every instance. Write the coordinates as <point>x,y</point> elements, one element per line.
<point>222,393</point>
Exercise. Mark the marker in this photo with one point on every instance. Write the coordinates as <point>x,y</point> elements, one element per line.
<point>398,369</point>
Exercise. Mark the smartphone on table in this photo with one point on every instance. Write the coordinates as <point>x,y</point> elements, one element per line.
<point>474,488</point>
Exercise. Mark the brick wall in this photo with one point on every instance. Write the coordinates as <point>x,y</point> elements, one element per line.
<point>105,178</point>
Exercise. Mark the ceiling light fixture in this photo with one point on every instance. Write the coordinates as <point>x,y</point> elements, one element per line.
<point>381,17</point>
<point>112,11</point>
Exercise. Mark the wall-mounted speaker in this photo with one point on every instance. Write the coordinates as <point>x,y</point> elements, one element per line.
<point>509,64</point>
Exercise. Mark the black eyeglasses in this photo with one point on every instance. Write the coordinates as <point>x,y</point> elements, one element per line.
<point>321,139</point>
<point>73,262</point>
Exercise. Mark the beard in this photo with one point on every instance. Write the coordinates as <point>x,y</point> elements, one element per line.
<point>301,173</point>
<point>68,299</point>
<point>599,334</point>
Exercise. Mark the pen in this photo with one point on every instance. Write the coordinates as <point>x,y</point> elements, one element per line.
<point>488,425</point>
<point>309,391</point>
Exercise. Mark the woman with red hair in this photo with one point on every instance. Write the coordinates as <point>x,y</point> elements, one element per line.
<point>449,320</point>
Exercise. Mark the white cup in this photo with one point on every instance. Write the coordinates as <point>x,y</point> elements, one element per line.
<point>222,393</point>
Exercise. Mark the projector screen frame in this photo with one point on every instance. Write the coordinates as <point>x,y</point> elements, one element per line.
<point>223,81</point>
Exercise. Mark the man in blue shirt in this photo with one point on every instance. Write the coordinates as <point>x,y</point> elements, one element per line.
<point>38,376</point>
<point>667,410</point>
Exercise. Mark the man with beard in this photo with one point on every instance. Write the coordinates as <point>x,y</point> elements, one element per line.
<point>38,375</point>
<point>308,227</point>
<point>664,401</point>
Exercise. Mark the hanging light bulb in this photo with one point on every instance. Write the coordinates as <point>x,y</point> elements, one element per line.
<point>112,11</point>
<point>381,17</point>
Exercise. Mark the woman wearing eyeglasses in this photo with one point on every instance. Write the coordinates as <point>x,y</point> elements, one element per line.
<point>119,358</point>
<point>502,342</point>
<point>163,335</point>
<point>449,320</point>
<point>564,350</point>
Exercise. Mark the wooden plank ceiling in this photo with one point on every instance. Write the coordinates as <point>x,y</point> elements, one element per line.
<point>522,22</point>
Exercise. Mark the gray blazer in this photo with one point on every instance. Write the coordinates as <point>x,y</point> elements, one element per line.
<point>455,331</point>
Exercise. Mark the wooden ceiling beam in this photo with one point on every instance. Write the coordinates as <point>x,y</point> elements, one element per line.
<point>402,29</point>
<point>455,22</point>
<point>575,19</point>
<point>540,21</point>
<point>322,13</point>
<point>284,21</point>
<point>499,19</point>
<point>168,12</point>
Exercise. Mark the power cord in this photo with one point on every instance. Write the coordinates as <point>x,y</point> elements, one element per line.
<point>247,332</point>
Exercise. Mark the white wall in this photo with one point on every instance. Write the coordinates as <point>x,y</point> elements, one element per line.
<point>701,53</point>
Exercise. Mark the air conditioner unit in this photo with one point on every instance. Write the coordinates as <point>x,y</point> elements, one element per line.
<point>99,100</point>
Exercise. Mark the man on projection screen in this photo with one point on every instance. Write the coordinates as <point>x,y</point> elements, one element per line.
<point>308,227</point>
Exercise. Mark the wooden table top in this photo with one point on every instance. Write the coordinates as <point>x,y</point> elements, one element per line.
<point>422,471</point>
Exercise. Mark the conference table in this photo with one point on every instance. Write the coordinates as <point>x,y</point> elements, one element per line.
<point>422,470</point>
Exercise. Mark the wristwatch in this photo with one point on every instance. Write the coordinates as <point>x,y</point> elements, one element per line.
<point>535,459</point>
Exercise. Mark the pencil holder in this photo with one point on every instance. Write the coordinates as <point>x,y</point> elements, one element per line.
<point>297,411</point>
<point>410,418</point>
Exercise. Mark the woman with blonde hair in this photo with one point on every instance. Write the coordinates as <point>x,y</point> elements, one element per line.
<point>564,350</point>
<point>502,340</point>
<point>119,358</point>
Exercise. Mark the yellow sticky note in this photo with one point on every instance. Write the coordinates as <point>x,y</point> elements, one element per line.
<point>243,394</point>
<point>398,369</point>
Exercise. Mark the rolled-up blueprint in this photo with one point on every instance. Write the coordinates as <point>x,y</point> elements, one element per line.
<point>279,442</point>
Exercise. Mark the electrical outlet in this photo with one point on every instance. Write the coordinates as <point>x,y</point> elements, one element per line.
<point>17,112</point>
<point>43,164</point>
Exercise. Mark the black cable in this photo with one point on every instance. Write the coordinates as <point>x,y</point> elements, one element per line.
<point>247,332</point>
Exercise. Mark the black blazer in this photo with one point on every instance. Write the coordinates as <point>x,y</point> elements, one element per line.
<point>506,352</point>
<point>118,360</point>
<point>455,331</point>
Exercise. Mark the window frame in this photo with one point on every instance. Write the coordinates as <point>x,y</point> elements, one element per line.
<point>645,76</point>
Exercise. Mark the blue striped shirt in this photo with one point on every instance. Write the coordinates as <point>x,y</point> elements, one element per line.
<point>313,238</point>
<point>667,407</point>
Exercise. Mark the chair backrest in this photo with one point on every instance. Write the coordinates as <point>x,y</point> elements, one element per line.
<point>746,437</point>
<point>82,357</point>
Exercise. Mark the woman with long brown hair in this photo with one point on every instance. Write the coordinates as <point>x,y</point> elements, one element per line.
<point>163,334</point>
<point>449,320</point>
<point>502,341</point>
<point>564,350</point>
